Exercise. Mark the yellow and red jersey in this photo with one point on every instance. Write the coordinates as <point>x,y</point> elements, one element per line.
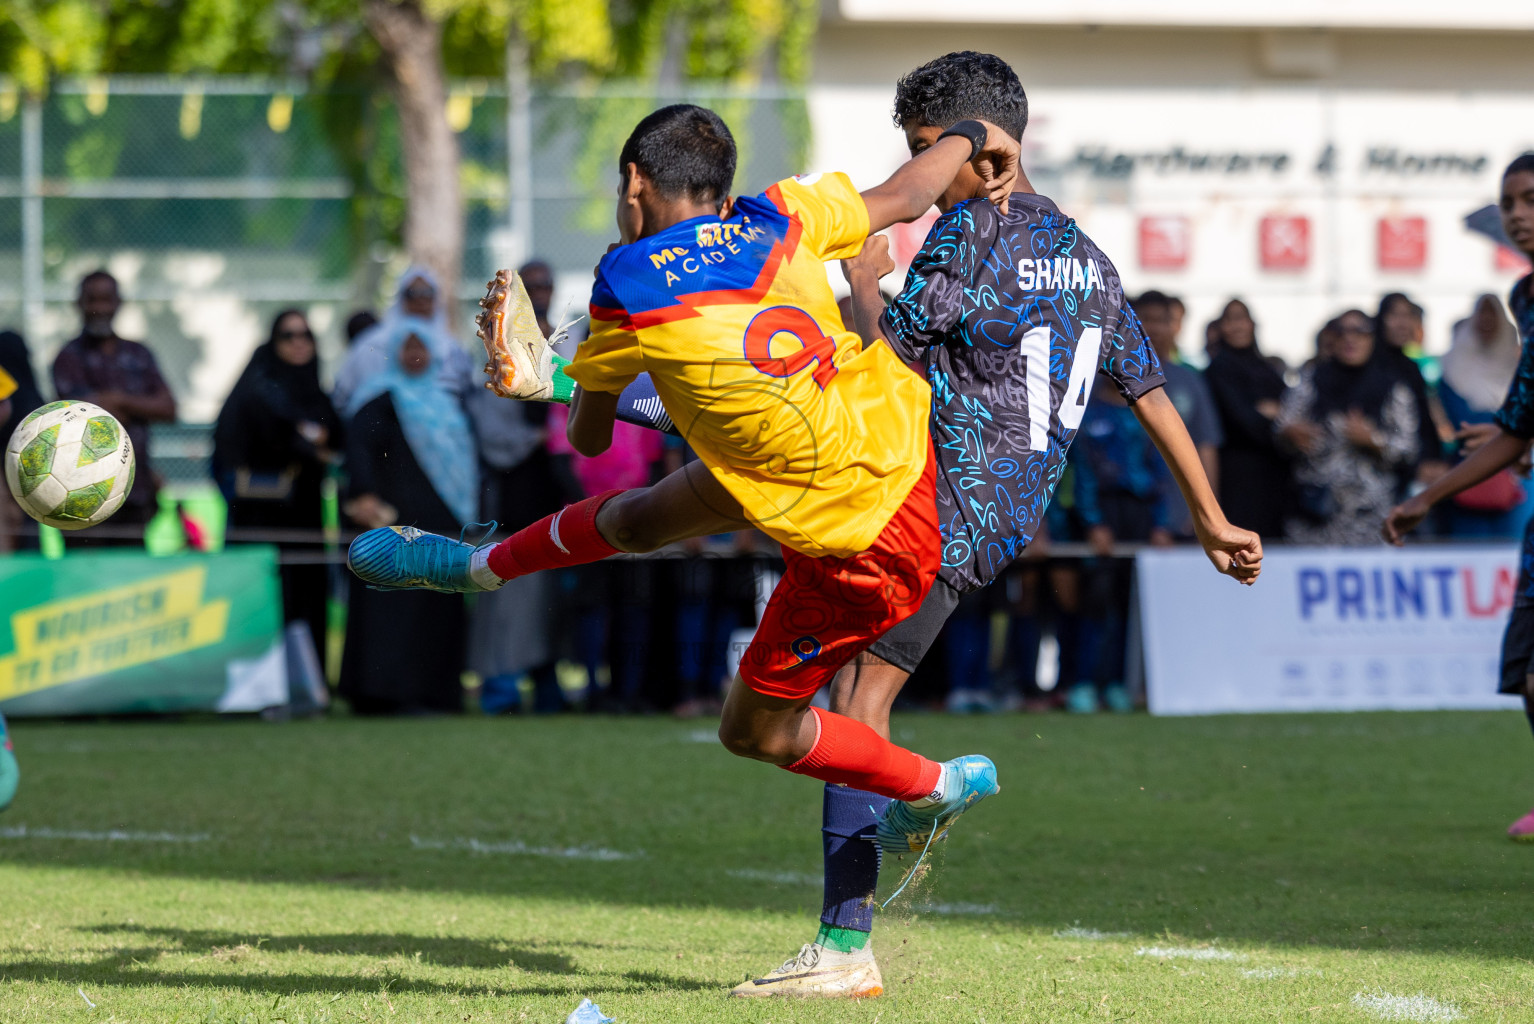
<point>819,439</point>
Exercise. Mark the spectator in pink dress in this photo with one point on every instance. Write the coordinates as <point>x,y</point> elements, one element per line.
<point>628,463</point>
<point>607,604</point>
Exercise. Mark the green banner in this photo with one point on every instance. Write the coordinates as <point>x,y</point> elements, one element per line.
<point>125,632</point>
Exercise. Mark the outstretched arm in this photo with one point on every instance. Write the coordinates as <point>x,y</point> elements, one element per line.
<point>592,414</point>
<point>1235,552</point>
<point>863,273</point>
<point>1495,455</point>
<point>912,189</point>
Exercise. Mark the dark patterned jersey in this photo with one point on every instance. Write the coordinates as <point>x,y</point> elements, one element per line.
<point>1517,417</point>
<point>1011,315</point>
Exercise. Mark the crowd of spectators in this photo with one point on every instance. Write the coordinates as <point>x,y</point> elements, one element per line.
<point>1314,454</point>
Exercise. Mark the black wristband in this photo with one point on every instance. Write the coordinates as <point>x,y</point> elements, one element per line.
<point>974,131</point>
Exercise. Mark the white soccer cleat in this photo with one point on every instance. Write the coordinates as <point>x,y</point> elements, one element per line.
<point>521,360</point>
<point>819,973</point>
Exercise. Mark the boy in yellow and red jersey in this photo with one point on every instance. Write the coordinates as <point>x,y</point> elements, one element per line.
<point>801,431</point>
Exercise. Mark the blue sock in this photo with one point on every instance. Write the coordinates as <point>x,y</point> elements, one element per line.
<point>852,863</point>
<point>640,405</point>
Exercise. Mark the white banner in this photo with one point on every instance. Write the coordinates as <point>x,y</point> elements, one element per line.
<point>1328,629</point>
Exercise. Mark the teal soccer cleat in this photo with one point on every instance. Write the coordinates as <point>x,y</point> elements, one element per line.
<point>404,558</point>
<point>904,828</point>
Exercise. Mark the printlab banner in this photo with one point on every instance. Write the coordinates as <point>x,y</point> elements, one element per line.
<point>1327,629</point>
<point>124,632</point>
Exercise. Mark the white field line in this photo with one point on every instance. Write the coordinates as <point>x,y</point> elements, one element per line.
<point>109,836</point>
<point>1416,1008</point>
<point>1182,953</point>
<point>776,877</point>
<point>521,849</point>
<point>959,909</point>
<point>702,736</point>
<point>1280,972</point>
<point>1089,934</point>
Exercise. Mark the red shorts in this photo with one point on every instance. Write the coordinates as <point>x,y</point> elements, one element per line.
<point>826,610</point>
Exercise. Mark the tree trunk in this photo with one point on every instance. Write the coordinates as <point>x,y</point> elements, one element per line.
<point>412,46</point>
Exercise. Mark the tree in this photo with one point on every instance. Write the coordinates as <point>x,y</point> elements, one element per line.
<point>358,51</point>
<point>411,42</point>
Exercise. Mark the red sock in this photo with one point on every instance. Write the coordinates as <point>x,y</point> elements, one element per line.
<point>849,753</point>
<point>568,537</point>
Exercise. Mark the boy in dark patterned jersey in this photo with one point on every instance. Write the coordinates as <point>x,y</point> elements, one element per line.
<point>1011,315</point>
<point>1498,445</point>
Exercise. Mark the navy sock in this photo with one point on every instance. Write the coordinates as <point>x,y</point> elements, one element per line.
<point>852,863</point>
<point>640,405</point>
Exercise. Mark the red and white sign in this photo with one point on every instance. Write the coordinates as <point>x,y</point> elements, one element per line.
<point>906,239</point>
<point>1402,243</point>
<point>1510,261</point>
<point>1284,242</point>
<point>1165,243</point>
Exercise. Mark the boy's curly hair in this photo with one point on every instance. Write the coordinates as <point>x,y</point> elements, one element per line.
<point>962,85</point>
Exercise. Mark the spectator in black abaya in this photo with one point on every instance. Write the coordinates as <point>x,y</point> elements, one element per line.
<point>17,362</point>
<point>1352,424</point>
<point>1397,337</point>
<point>1254,472</point>
<point>272,446</point>
<point>410,456</point>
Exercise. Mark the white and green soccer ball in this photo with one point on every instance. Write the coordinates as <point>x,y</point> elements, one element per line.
<point>69,465</point>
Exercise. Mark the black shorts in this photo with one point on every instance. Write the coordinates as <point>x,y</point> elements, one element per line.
<point>907,642</point>
<point>1517,650</point>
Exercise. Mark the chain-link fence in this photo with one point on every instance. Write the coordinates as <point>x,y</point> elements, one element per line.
<point>218,201</point>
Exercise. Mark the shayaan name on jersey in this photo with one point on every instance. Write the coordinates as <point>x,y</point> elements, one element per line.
<point>1062,273</point>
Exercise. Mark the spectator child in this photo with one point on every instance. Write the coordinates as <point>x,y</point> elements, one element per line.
<point>1190,396</point>
<point>1121,487</point>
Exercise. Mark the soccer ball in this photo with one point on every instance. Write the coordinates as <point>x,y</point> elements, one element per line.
<point>69,465</point>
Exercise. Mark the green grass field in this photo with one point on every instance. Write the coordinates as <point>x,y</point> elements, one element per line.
<point>1275,868</point>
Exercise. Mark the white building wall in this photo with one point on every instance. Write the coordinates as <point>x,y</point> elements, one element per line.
<point>1199,123</point>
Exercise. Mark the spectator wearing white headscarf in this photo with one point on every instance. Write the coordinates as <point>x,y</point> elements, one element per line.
<point>410,460</point>
<point>1477,371</point>
<point>417,296</point>
<point>1480,363</point>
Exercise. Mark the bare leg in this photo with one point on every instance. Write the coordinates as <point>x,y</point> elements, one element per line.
<point>821,744</point>
<point>781,731</point>
<point>772,729</point>
<point>686,503</point>
<point>865,689</point>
